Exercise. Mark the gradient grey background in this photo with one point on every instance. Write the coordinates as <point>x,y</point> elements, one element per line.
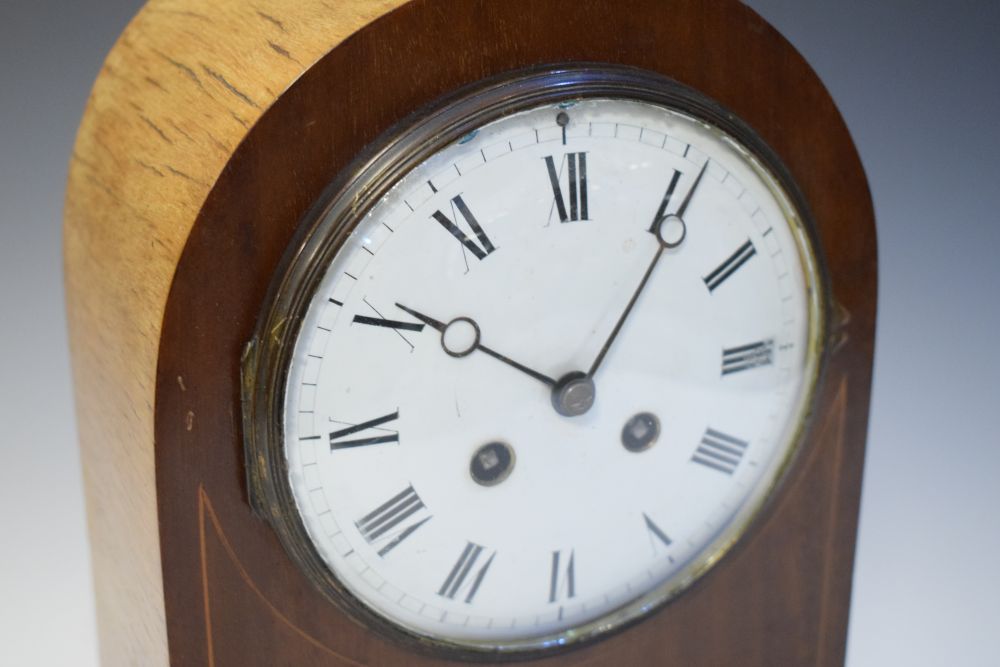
<point>919,85</point>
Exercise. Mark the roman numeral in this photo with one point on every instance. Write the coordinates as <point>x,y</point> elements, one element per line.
<point>745,357</point>
<point>577,186</point>
<point>720,451</point>
<point>455,582</point>
<point>656,534</point>
<point>395,325</point>
<point>563,580</point>
<point>337,443</point>
<point>661,212</point>
<point>384,528</point>
<point>729,267</point>
<point>391,324</point>
<point>457,203</point>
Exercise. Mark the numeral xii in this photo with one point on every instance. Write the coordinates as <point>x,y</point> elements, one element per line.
<point>576,166</point>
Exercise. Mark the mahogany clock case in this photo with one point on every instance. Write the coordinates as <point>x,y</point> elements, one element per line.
<point>232,594</point>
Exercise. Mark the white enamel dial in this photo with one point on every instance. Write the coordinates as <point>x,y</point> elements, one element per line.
<point>638,259</point>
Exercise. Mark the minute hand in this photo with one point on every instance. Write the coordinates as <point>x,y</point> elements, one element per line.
<point>649,271</point>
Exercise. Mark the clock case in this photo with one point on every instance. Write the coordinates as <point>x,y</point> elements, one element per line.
<point>331,222</point>
<point>232,594</point>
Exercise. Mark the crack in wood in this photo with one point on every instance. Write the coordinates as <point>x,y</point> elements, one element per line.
<point>230,87</point>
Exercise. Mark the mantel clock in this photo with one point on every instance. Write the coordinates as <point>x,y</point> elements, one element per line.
<point>456,331</point>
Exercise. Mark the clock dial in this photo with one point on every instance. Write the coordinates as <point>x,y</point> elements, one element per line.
<point>551,374</point>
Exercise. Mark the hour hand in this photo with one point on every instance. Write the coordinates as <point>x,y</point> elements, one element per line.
<point>429,321</point>
<point>461,337</point>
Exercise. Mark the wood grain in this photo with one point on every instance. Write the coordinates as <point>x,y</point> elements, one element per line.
<point>257,111</point>
<point>175,97</point>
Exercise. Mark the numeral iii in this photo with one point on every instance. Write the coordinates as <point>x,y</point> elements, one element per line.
<point>745,357</point>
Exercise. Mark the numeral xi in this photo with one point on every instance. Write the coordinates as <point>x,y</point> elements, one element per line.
<point>459,204</point>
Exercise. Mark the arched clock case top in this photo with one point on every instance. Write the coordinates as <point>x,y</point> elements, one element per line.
<point>231,593</point>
